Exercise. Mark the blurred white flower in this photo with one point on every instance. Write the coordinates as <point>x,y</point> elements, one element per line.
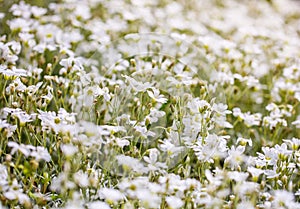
<point>40,153</point>
<point>174,202</point>
<point>12,73</point>
<point>284,199</point>
<point>238,176</point>
<point>15,192</point>
<point>62,183</point>
<point>98,205</point>
<point>130,163</point>
<point>68,149</point>
<point>24,149</point>
<point>137,86</point>
<point>81,178</point>
<point>111,195</point>
<point>245,205</point>
<point>297,122</point>
<point>246,189</point>
<point>144,132</point>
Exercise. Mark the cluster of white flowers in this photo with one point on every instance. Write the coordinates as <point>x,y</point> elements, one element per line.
<point>150,104</point>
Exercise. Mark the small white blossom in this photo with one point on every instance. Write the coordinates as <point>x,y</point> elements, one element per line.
<point>174,202</point>
<point>69,149</point>
<point>97,205</point>
<point>111,195</point>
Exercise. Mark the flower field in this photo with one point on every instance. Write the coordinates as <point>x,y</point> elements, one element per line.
<point>141,104</point>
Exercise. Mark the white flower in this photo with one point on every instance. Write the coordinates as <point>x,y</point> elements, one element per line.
<point>62,182</point>
<point>237,112</point>
<point>152,160</point>
<point>270,155</point>
<point>283,198</point>
<point>255,172</point>
<point>61,122</point>
<point>68,149</point>
<point>31,90</point>
<point>3,174</point>
<point>283,151</point>
<point>156,96</point>
<point>122,142</point>
<point>276,116</point>
<point>20,24</point>
<point>174,202</point>
<point>98,205</point>
<point>40,153</point>
<point>222,78</point>
<point>248,118</point>
<point>213,179</point>
<point>102,92</point>
<point>38,11</point>
<point>12,73</point>
<point>297,122</point>
<point>15,86</point>
<point>235,156</point>
<point>149,199</point>
<point>144,132</point>
<point>71,65</point>
<point>24,149</point>
<point>294,142</point>
<point>155,115</point>
<point>81,178</point>
<point>238,176</point>
<point>40,48</point>
<point>197,106</point>
<point>130,163</point>
<point>3,124</point>
<point>170,147</point>
<point>243,141</point>
<point>245,205</point>
<point>271,174</point>
<point>246,188</point>
<point>49,95</point>
<point>23,117</point>
<point>214,147</point>
<point>111,195</point>
<point>137,86</point>
<point>22,10</point>
<point>221,109</point>
<point>9,129</point>
<point>219,117</point>
<point>14,192</point>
